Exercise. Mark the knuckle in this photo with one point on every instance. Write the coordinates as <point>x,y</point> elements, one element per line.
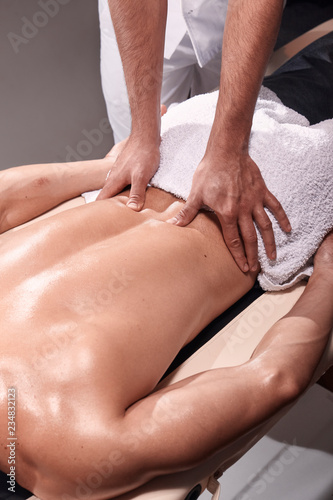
<point>245,205</point>
<point>250,238</point>
<point>266,225</point>
<point>235,244</point>
<point>273,202</point>
<point>229,215</point>
<point>276,205</point>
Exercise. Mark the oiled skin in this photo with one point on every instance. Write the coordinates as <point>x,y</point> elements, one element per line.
<point>95,303</point>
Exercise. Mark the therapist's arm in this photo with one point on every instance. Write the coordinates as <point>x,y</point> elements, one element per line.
<point>227,180</point>
<point>140,32</point>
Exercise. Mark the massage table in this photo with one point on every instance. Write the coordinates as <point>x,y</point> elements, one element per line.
<point>230,342</point>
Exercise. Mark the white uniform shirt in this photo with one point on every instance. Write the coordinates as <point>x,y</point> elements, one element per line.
<point>203,20</point>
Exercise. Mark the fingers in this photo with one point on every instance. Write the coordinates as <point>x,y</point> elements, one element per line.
<point>186,214</point>
<point>230,231</point>
<point>265,225</point>
<point>113,185</point>
<point>233,240</point>
<point>116,184</point>
<point>266,230</point>
<point>133,166</point>
<point>277,210</point>
<point>250,242</point>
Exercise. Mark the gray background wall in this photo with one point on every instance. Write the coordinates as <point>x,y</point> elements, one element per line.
<point>50,91</point>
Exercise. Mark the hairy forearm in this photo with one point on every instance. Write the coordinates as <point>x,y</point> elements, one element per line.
<point>140,32</point>
<point>249,37</point>
<point>31,190</point>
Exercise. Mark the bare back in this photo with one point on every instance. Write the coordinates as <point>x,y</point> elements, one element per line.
<point>98,300</point>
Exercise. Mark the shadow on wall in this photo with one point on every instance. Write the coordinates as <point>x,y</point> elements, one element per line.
<point>52,107</point>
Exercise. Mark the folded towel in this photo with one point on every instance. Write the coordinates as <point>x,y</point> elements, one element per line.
<point>296,162</point>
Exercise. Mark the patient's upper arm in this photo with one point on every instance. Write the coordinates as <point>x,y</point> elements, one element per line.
<point>22,197</point>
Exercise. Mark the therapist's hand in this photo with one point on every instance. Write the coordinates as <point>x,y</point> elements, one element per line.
<point>136,162</point>
<point>231,185</point>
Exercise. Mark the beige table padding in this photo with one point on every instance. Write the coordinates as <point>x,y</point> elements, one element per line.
<point>289,50</point>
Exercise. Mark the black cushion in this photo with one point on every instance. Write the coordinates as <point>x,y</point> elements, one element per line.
<point>305,82</point>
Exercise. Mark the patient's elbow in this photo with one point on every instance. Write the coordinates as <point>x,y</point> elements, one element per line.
<point>7,218</point>
<point>4,226</point>
<point>285,383</point>
<point>11,208</point>
<point>4,202</point>
<point>292,387</point>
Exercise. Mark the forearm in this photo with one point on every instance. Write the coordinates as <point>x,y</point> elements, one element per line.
<point>140,32</point>
<point>31,190</point>
<point>299,339</point>
<point>250,33</point>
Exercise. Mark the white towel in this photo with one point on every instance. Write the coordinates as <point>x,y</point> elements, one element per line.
<point>295,159</point>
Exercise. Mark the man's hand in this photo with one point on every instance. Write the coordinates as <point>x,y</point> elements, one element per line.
<point>233,187</point>
<point>127,170</point>
<point>227,180</point>
<point>135,164</point>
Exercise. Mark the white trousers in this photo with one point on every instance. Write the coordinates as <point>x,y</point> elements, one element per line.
<point>182,76</point>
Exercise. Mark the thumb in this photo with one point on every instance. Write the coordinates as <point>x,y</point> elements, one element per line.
<point>186,214</point>
<point>111,188</point>
<point>137,196</point>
